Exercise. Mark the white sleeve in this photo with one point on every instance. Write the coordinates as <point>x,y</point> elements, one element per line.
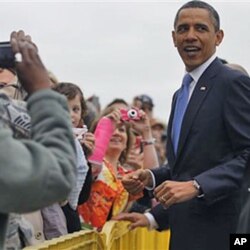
<point>152,222</point>
<point>153,180</point>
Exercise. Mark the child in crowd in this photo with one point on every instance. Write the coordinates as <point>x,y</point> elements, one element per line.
<point>77,107</point>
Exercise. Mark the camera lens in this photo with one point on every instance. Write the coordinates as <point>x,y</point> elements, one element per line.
<point>132,114</point>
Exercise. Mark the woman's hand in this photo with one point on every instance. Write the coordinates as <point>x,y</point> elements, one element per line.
<point>114,116</point>
<point>88,141</point>
<point>142,126</point>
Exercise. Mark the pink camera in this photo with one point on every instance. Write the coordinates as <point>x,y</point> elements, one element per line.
<point>130,114</point>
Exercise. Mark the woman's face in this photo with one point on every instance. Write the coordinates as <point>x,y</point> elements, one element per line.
<point>118,141</point>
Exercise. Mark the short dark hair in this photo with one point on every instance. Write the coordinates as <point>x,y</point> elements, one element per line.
<point>117,100</point>
<point>202,5</point>
<point>71,90</point>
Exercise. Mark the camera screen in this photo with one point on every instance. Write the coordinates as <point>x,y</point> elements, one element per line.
<point>7,59</point>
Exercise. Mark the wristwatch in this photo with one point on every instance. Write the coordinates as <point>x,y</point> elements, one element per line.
<point>198,187</point>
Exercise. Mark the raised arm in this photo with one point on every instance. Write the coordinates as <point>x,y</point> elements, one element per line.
<point>38,171</point>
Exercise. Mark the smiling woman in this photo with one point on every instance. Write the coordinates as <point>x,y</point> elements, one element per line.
<point>108,196</point>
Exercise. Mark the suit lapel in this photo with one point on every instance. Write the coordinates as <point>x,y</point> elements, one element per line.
<point>170,147</point>
<point>200,92</point>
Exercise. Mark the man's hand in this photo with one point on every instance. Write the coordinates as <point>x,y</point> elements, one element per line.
<point>136,219</point>
<point>30,69</point>
<point>172,192</point>
<point>135,182</point>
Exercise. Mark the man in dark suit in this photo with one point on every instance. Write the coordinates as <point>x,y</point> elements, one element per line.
<point>199,188</point>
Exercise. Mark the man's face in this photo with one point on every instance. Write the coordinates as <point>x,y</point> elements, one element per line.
<point>195,37</point>
<point>7,78</point>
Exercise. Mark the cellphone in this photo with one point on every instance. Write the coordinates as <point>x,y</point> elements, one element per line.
<point>7,57</point>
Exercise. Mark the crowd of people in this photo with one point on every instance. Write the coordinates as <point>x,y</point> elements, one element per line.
<point>68,164</point>
<point>97,193</point>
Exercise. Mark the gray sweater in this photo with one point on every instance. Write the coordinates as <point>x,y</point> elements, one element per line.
<point>39,171</point>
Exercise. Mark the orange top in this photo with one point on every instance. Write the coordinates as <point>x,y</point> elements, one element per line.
<point>107,196</point>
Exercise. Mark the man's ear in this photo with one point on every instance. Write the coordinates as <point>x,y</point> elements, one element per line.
<point>174,38</point>
<point>219,37</point>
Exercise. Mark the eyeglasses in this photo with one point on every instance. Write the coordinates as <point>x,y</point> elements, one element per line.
<point>4,85</point>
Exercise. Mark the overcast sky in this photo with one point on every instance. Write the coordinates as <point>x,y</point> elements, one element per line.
<point>120,48</point>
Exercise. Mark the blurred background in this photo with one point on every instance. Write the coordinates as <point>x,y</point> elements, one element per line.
<point>120,48</point>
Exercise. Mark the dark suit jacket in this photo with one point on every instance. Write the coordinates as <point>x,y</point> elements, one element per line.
<point>213,149</point>
<point>244,219</point>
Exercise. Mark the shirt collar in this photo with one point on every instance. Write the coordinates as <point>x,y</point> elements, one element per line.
<point>196,73</point>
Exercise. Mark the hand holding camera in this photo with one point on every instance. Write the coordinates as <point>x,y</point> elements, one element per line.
<point>80,132</point>
<point>7,57</point>
<point>88,143</point>
<point>138,119</point>
<point>141,124</point>
<point>128,115</point>
<point>25,59</point>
